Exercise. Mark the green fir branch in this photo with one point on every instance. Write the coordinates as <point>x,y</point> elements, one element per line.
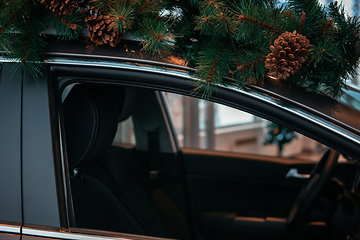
<point>249,70</point>
<point>124,16</point>
<point>215,61</point>
<point>264,16</point>
<point>20,6</point>
<point>28,45</point>
<point>69,27</point>
<point>147,7</point>
<point>157,40</point>
<point>315,16</point>
<point>324,53</point>
<point>209,7</point>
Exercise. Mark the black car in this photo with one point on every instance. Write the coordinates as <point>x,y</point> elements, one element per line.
<point>64,177</point>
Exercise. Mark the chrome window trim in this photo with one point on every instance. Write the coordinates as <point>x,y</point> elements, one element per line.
<point>118,59</point>
<point>63,234</point>
<point>102,57</point>
<point>7,228</point>
<point>124,66</point>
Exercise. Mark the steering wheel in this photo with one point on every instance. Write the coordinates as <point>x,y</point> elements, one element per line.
<point>320,174</point>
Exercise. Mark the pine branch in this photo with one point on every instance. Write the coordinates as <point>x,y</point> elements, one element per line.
<point>204,25</point>
<point>211,17</point>
<point>302,21</point>
<point>215,61</point>
<point>62,29</point>
<point>263,25</point>
<point>225,23</point>
<point>208,7</point>
<point>66,22</point>
<point>157,40</point>
<point>213,66</point>
<point>308,6</point>
<point>242,67</point>
<point>27,36</point>
<point>288,14</point>
<point>148,7</point>
<point>325,53</point>
<point>123,15</point>
<point>28,44</point>
<point>315,17</point>
<point>26,47</point>
<point>326,27</point>
<point>250,71</point>
<point>100,4</point>
<point>347,32</point>
<point>144,6</point>
<point>12,17</point>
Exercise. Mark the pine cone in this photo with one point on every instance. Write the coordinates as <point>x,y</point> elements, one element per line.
<point>60,7</point>
<point>101,28</point>
<point>288,51</point>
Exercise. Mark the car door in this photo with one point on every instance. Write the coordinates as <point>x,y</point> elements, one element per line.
<point>10,154</point>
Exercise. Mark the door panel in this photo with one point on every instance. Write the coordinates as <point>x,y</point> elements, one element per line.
<point>241,195</point>
<point>249,185</point>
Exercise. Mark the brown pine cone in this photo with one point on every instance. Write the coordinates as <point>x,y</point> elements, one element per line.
<point>101,28</point>
<point>60,7</point>
<point>288,51</point>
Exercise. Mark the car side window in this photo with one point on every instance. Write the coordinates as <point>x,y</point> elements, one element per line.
<point>136,186</point>
<point>203,124</point>
<point>116,184</point>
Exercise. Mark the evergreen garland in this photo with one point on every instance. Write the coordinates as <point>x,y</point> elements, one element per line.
<point>221,38</point>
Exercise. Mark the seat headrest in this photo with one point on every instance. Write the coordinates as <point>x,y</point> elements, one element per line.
<point>130,99</point>
<point>91,117</point>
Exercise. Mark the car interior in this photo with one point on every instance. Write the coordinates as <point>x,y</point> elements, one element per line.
<point>154,189</point>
